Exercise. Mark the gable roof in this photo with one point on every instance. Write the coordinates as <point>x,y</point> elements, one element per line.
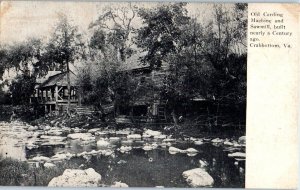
<point>59,79</point>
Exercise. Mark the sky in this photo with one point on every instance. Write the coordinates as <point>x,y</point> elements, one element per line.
<point>22,19</point>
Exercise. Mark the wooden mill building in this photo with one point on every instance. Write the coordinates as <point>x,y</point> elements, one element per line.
<point>51,91</point>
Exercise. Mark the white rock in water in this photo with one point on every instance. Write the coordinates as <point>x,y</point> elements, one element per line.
<point>237,154</point>
<point>114,139</point>
<point>49,165</point>
<point>123,132</point>
<point>217,140</point>
<point>102,143</point>
<point>173,150</point>
<point>202,163</point>
<point>152,133</point>
<point>134,136</point>
<point>191,150</point>
<point>169,140</point>
<point>76,178</point>
<point>198,178</point>
<point>94,130</point>
<point>41,159</point>
<point>228,143</point>
<point>54,132</point>
<point>62,156</point>
<point>146,136</point>
<point>198,142</point>
<point>56,138</point>
<point>32,128</point>
<point>160,137</point>
<point>242,140</point>
<point>81,136</point>
<point>147,147</point>
<point>119,184</point>
<point>125,149</point>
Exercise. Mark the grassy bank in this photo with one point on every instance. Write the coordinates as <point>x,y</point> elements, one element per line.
<point>18,173</point>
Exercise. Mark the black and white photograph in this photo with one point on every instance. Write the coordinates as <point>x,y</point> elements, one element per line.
<point>123,94</point>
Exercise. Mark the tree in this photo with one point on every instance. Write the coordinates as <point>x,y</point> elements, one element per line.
<point>63,49</point>
<point>115,27</point>
<point>160,35</point>
<point>22,88</point>
<point>161,39</point>
<point>226,45</point>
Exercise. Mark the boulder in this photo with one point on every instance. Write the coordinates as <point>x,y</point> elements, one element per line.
<point>217,140</point>
<point>62,156</point>
<point>202,163</point>
<point>125,149</point>
<point>82,136</point>
<point>119,184</point>
<point>198,177</point>
<point>152,133</point>
<point>49,165</point>
<point>198,142</point>
<point>94,130</point>
<point>76,178</point>
<point>173,150</point>
<point>41,159</point>
<point>237,155</point>
<point>242,140</point>
<point>134,136</point>
<point>191,150</point>
<point>114,139</point>
<point>169,140</point>
<point>228,143</point>
<point>102,143</point>
<point>160,137</point>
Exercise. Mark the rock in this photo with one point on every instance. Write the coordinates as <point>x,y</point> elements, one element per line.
<point>238,155</point>
<point>62,156</point>
<point>32,128</point>
<point>76,178</point>
<point>134,136</point>
<point>202,163</point>
<point>147,147</point>
<point>56,138</point>
<point>100,133</point>
<point>121,162</point>
<point>198,178</point>
<point>192,154</point>
<point>49,165</point>
<point>82,136</point>
<point>160,137</point>
<point>102,143</point>
<point>217,140</point>
<point>152,133</point>
<point>173,150</point>
<point>242,140</point>
<point>119,184</point>
<point>127,142</point>
<point>169,140</point>
<point>123,132</point>
<point>146,136</point>
<point>191,150</point>
<point>31,145</point>
<point>124,149</point>
<point>54,132</point>
<point>94,130</point>
<point>41,159</point>
<point>228,143</point>
<point>114,139</point>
